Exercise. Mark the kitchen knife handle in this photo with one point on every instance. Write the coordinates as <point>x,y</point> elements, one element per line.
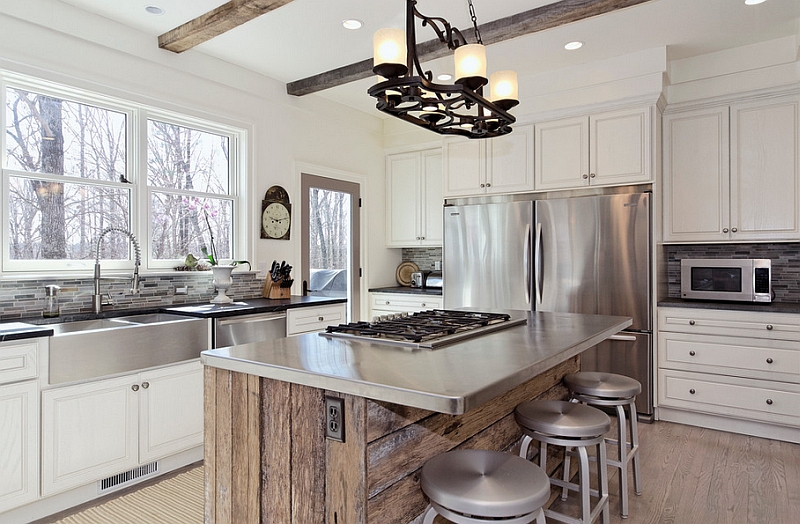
<point>527,262</point>
<point>538,262</point>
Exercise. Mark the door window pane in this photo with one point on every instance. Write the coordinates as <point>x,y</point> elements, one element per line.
<point>329,242</point>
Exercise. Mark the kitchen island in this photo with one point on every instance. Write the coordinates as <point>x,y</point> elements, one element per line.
<point>266,455</point>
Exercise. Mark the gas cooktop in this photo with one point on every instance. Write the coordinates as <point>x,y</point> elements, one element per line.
<point>425,329</point>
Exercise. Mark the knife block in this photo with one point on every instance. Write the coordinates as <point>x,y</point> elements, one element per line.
<point>274,290</point>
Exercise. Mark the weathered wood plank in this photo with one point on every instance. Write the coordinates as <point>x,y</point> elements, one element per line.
<point>399,454</point>
<point>532,21</point>
<point>215,22</point>
<point>209,439</point>
<point>346,466</point>
<point>276,445</point>
<point>239,448</point>
<point>384,418</point>
<point>223,447</point>
<point>253,487</point>
<point>308,455</point>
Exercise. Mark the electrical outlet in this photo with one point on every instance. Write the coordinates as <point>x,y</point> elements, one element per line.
<point>334,418</point>
<point>437,265</point>
<point>182,290</point>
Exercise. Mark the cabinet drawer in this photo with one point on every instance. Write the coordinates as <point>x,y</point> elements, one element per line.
<point>730,396</point>
<point>767,359</point>
<point>775,326</point>
<point>307,320</point>
<point>400,302</point>
<point>18,362</point>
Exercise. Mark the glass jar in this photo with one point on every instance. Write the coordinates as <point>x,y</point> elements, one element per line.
<point>50,301</point>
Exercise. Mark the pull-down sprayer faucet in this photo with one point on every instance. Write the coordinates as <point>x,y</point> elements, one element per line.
<point>97,297</point>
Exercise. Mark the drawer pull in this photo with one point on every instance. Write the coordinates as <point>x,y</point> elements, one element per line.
<point>320,318</point>
<point>692,353</point>
<point>769,327</point>
<point>692,391</point>
<point>387,302</point>
<point>769,360</point>
<point>769,401</point>
<point>135,387</point>
<point>691,322</point>
<point>424,304</point>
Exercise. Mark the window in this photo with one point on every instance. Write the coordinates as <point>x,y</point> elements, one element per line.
<point>76,163</point>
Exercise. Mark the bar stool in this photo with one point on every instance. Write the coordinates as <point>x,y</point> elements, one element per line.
<point>569,425</point>
<point>618,391</point>
<point>475,486</point>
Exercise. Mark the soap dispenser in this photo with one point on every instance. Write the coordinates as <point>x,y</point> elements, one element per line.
<point>50,301</point>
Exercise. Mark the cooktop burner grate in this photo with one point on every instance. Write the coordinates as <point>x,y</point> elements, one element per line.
<point>423,327</point>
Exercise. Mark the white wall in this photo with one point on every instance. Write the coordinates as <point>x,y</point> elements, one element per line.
<point>54,41</point>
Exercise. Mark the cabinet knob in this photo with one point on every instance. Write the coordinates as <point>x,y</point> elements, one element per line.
<point>592,175</point>
<point>769,401</point>
<point>692,391</point>
<point>770,361</point>
<point>692,353</point>
<point>488,184</point>
<point>135,387</point>
<point>724,229</point>
<point>422,238</point>
<point>320,318</point>
<point>585,176</point>
<point>145,385</point>
<point>387,302</point>
<point>483,185</point>
<point>734,230</point>
<point>691,322</point>
<point>424,304</point>
<point>769,327</point>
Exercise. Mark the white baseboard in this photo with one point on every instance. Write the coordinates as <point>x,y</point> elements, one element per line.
<point>732,425</point>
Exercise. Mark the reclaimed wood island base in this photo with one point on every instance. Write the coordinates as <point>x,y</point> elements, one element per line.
<point>266,456</point>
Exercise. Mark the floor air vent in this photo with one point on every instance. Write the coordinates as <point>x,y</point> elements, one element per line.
<point>121,479</point>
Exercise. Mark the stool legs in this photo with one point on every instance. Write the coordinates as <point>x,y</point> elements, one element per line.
<point>433,511</point>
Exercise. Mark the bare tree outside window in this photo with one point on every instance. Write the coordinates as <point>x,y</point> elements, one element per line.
<point>329,245</point>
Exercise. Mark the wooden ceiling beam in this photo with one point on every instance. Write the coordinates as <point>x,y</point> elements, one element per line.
<point>535,20</point>
<point>217,21</point>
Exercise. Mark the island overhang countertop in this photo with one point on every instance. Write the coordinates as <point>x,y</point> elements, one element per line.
<point>452,379</point>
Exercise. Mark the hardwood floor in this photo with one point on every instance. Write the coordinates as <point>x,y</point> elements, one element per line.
<point>694,475</point>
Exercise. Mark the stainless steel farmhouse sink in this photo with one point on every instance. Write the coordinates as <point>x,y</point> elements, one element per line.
<point>95,348</point>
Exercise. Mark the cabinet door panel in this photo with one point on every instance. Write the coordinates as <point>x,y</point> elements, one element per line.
<point>511,162</point>
<point>19,444</point>
<point>170,411</point>
<point>561,153</point>
<point>696,179</point>
<point>432,220</point>
<point>620,147</point>
<point>464,167</point>
<point>89,431</point>
<point>402,198</point>
<point>765,158</point>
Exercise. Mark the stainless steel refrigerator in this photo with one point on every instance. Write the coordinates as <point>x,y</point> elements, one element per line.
<point>584,255</point>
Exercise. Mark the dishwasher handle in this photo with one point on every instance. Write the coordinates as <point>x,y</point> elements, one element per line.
<point>259,317</point>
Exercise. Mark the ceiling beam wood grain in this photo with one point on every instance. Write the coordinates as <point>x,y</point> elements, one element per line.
<point>215,22</point>
<point>535,20</point>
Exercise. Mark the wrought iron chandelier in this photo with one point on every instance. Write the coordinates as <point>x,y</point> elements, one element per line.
<point>409,93</point>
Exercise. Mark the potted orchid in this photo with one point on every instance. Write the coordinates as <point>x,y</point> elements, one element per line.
<point>222,274</point>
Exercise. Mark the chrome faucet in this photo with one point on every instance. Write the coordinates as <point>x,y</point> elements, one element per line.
<point>97,297</point>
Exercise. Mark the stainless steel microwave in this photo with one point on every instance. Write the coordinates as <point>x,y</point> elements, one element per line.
<point>748,280</point>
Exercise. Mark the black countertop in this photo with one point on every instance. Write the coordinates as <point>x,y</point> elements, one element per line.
<point>772,307</point>
<point>408,290</point>
<point>250,306</point>
<point>22,330</point>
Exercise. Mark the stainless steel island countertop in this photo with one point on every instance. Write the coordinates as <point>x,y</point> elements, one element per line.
<point>452,379</point>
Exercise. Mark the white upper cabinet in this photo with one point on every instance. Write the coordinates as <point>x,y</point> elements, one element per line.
<point>414,199</point>
<point>610,148</point>
<point>491,166</point>
<point>731,173</point>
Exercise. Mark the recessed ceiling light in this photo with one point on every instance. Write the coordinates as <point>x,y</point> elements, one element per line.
<point>573,45</point>
<point>445,77</point>
<point>352,23</point>
<point>154,10</point>
<point>754,2</point>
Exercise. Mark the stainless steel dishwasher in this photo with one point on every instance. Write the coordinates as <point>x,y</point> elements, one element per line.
<point>231,331</point>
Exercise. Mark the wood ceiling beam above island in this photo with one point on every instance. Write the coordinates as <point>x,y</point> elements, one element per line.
<point>535,20</point>
<point>215,22</point>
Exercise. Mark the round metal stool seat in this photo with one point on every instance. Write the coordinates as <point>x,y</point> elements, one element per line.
<point>475,486</point>
<point>563,419</point>
<point>603,385</point>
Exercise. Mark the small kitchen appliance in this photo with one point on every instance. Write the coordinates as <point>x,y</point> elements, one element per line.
<point>417,279</point>
<point>745,280</point>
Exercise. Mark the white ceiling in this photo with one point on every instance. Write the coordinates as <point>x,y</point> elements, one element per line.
<point>306,37</point>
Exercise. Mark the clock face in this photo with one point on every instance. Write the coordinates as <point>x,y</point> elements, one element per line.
<point>275,220</point>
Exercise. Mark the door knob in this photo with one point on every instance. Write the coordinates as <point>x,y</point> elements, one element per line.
<point>691,322</point>
<point>692,353</point>
<point>691,391</point>
<point>145,385</point>
<point>585,176</point>
<point>769,401</point>
<point>724,229</point>
<point>770,361</point>
<point>734,230</point>
<point>135,387</point>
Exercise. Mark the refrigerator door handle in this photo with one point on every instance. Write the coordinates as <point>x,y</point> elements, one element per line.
<point>527,262</point>
<point>538,263</point>
<point>625,338</point>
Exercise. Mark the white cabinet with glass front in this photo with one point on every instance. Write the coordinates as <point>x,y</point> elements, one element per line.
<point>414,199</point>
<point>97,429</point>
<point>732,172</point>
<point>610,148</point>
<point>731,370</point>
<point>493,166</point>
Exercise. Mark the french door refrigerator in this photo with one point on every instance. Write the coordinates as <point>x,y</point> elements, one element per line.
<point>582,255</point>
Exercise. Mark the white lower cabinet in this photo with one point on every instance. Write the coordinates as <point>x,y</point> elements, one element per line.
<point>732,370</point>
<point>96,429</point>
<point>310,319</point>
<point>393,303</point>
<point>19,444</point>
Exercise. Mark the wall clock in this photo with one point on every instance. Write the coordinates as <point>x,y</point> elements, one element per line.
<point>276,214</point>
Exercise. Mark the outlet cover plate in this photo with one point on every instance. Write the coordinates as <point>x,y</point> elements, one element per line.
<point>334,418</point>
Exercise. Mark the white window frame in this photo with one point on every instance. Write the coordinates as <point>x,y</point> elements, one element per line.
<point>137,116</point>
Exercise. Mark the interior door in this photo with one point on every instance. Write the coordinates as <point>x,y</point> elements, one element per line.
<point>331,265</point>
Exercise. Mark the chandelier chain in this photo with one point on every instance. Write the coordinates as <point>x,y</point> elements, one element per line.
<point>475,22</point>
